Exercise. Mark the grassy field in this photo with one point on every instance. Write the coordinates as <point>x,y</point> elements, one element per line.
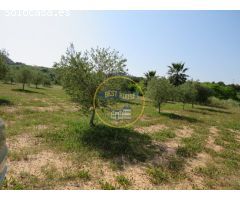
<point>51,145</point>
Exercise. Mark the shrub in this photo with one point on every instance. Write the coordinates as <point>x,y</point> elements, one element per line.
<point>203,93</point>
<point>214,101</point>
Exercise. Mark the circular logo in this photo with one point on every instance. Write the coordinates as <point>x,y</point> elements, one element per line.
<point>119,101</point>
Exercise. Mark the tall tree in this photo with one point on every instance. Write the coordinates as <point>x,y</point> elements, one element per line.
<point>149,75</point>
<point>81,73</point>
<point>159,90</point>
<point>3,64</point>
<point>177,73</point>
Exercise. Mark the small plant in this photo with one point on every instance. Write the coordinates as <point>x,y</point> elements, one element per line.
<point>84,174</point>
<point>13,184</point>
<point>123,181</point>
<point>158,175</point>
<point>107,186</point>
<point>71,175</point>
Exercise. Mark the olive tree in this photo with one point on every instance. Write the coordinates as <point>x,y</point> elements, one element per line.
<point>10,76</point>
<point>24,76</point>
<point>82,72</point>
<point>187,93</point>
<point>37,78</point>
<point>159,90</point>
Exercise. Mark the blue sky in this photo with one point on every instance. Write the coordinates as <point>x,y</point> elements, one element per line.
<point>207,41</point>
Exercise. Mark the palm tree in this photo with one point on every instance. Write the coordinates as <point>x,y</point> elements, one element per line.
<point>177,74</point>
<point>150,74</point>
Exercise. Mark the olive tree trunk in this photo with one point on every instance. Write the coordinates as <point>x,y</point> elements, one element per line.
<point>159,107</point>
<point>91,123</point>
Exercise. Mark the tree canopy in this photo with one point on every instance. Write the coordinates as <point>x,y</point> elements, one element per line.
<point>159,90</point>
<point>3,64</point>
<point>82,72</point>
<point>177,73</point>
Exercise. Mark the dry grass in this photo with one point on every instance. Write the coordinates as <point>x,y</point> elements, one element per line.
<point>52,147</point>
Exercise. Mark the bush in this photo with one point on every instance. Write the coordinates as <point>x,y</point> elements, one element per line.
<point>222,91</point>
<point>214,101</point>
<point>203,93</point>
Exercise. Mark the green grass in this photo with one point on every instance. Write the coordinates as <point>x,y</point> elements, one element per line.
<point>123,181</point>
<point>164,135</point>
<point>107,186</point>
<point>77,174</point>
<point>158,175</point>
<point>67,131</point>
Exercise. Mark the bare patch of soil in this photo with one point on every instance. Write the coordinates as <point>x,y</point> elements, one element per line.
<point>10,109</point>
<point>185,132</point>
<point>211,140</point>
<point>9,123</point>
<point>200,160</point>
<point>237,134</point>
<point>45,109</point>
<point>41,127</point>
<point>173,144</point>
<point>151,129</point>
<point>21,141</point>
<point>36,162</point>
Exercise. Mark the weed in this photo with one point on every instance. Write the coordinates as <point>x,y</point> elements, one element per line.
<point>123,181</point>
<point>106,186</point>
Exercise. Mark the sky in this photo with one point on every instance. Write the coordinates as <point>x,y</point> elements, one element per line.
<point>208,42</point>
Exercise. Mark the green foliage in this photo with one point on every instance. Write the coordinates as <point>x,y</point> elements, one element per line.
<point>159,90</point>
<point>203,93</point>
<point>177,75</point>
<point>37,78</point>
<point>123,181</point>
<point>150,74</point>
<point>10,76</point>
<point>221,103</point>
<point>81,73</point>
<point>106,186</point>
<point>106,60</point>
<point>222,91</point>
<point>24,76</point>
<point>3,64</point>
<point>188,93</point>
